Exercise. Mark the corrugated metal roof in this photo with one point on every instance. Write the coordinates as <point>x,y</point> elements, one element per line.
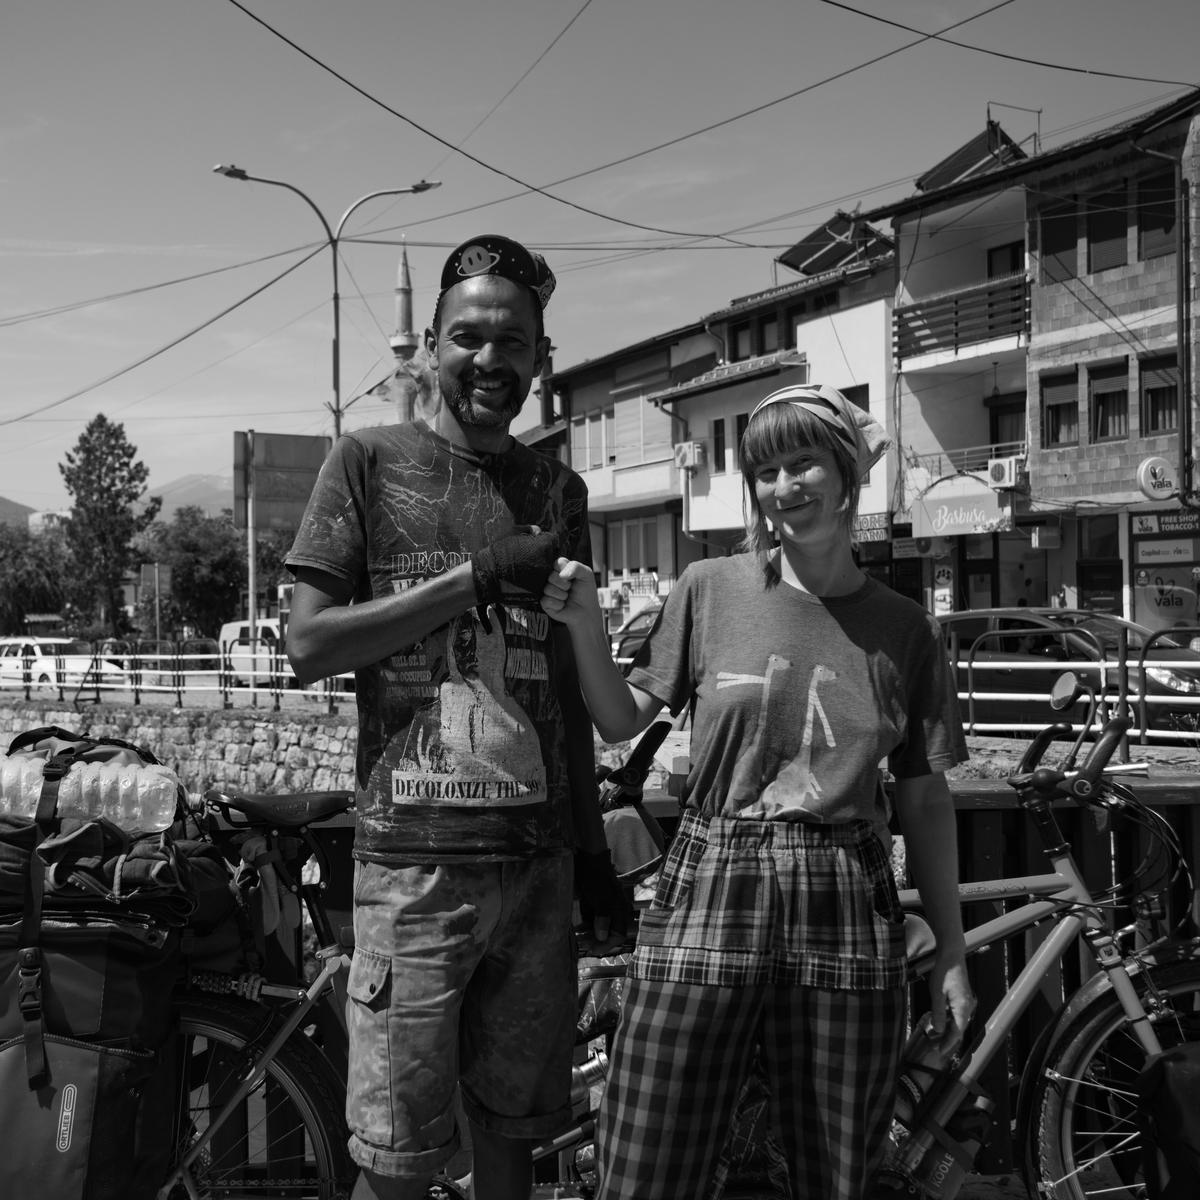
<point>727,373</point>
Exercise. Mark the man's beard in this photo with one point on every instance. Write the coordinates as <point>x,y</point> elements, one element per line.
<point>482,416</point>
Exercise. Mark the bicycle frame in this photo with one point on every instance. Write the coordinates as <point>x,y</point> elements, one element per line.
<point>1069,903</point>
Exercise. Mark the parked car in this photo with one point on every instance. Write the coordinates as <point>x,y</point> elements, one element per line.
<point>1009,659</point>
<point>54,663</point>
<point>628,639</point>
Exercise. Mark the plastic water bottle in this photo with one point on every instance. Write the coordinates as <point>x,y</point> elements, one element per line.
<point>921,1064</point>
<point>135,796</point>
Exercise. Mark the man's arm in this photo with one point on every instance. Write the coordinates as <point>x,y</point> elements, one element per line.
<point>327,635</point>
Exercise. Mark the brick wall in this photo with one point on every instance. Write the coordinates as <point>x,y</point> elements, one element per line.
<point>235,748</point>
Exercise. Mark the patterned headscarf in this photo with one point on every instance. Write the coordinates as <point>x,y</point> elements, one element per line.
<point>862,435</point>
<point>492,254</point>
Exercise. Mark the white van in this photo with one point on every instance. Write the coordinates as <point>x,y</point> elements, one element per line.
<point>251,663</point>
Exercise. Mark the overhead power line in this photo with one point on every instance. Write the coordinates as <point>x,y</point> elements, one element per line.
<point>1032,62</point>
<point>91,387</point>
<point>529,187</point>
<point>524,75</point>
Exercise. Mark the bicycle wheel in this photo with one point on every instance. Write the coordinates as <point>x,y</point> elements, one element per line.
<point>287,1138</point>
<point>1082,1137</point>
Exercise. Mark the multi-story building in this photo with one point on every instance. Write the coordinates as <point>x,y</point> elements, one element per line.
<point>654,427</point>
<point>1043,357</point>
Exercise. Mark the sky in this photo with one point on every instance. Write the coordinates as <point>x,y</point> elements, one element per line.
<point>660,153</point>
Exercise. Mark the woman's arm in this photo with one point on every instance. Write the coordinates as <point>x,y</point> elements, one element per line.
<point>926,813</point>
<point>619,711</point>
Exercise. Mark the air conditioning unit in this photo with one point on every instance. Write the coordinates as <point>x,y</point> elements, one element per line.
<point>934,547</point>
<point>1003,472</point>
<point>689,455</point>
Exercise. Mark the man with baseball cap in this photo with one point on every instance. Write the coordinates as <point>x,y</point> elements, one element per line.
<point>420,566</point>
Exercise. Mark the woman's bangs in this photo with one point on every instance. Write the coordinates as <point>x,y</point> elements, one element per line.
<point>779,429</point>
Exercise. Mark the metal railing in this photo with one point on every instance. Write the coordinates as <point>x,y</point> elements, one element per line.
<point>1118,675</point>
<point>190,672</point>
<point>963,317</point>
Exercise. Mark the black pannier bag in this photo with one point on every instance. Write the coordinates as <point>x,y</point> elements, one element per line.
<point>1168,1117</point>
<point>91,916</point>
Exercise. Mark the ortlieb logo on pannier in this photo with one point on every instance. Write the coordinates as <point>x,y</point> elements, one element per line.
<point>91,915</point>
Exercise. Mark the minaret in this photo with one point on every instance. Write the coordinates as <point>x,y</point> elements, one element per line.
<point>404,341</point>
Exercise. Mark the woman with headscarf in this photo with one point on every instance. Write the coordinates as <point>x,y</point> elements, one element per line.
<point>776,920</point>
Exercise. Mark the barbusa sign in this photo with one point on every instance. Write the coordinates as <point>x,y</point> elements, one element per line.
<point>960,504</point>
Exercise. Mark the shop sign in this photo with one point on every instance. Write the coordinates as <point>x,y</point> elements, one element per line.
<point>1163,524</point>
<point>872,527</point>
<point>960,505</point>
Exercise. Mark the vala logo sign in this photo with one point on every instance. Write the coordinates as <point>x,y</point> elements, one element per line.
<point>1156,479</point>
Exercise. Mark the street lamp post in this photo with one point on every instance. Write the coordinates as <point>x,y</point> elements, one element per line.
<point>332,238</point>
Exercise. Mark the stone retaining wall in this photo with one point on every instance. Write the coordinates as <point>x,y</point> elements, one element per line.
<point>247,749</point>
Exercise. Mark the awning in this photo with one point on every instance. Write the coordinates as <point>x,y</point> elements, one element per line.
<point>961,504</point>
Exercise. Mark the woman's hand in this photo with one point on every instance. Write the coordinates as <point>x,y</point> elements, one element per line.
<point>570,595</point>
<point>952,1000</point>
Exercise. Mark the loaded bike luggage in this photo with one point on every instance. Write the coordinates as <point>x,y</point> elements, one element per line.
<point>91,914</point>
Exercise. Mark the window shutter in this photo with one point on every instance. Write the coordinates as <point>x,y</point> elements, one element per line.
<point>1107,222</point>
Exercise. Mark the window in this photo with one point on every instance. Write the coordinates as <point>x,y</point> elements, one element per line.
<point>1107,220</point>
<point>1058,243</point>
<point>1008,424</point>
<point>1108,403</point>
<point>768,332</point>
<point>743,419</point>
<point>1160,394</point>
<point>1060,411</point>
<point>633,546</point>
<point>742,347</point>
<point>610,440</point>
<point>1005,260</point>
<point>579,432</point>
<point>1156,215</point>
<point>595,458</point>
<point>718,440</point>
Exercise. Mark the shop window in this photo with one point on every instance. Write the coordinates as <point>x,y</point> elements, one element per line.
<point>1160,394</point>
<point>1107,222</point>
<point>1099,537</point>
<point>1156,215</point>
<point>1060,411</point>
<point>1108,404</point>
<point>1058,249</point>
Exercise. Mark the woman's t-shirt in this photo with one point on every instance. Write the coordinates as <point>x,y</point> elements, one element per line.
<point>799,699</point>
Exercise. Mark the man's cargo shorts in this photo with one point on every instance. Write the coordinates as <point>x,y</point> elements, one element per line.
<point>462,974</point>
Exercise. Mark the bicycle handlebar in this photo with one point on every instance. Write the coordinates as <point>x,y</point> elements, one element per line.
<point>1079,784</point>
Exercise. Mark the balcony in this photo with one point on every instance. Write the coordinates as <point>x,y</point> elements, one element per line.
<point>966,317</point>
<point>966,459</point>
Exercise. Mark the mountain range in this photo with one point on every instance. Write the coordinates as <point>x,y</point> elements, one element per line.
<point>210,493</point>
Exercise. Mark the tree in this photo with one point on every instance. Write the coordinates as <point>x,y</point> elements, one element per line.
<point>207,557</point>
<point>106,483</point>
<point>34,569</point>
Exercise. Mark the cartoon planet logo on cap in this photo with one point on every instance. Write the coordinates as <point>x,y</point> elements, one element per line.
<point>476,260</point>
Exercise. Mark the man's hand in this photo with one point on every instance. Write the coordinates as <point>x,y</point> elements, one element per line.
<point>524,560</point>
<point>602,900</point>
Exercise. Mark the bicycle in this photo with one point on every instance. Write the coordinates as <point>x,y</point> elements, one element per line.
<point>1075,1103</point>
<point>258,1069</point>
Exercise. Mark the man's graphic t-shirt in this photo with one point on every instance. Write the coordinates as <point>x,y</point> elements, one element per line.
<point>461,747</point>
<point>798,698</point>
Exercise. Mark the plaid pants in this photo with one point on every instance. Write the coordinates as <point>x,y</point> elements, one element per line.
<point>677,1067</point>
<point>769,933</point>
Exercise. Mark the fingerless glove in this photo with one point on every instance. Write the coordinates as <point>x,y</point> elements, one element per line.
<point>522,559</point>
